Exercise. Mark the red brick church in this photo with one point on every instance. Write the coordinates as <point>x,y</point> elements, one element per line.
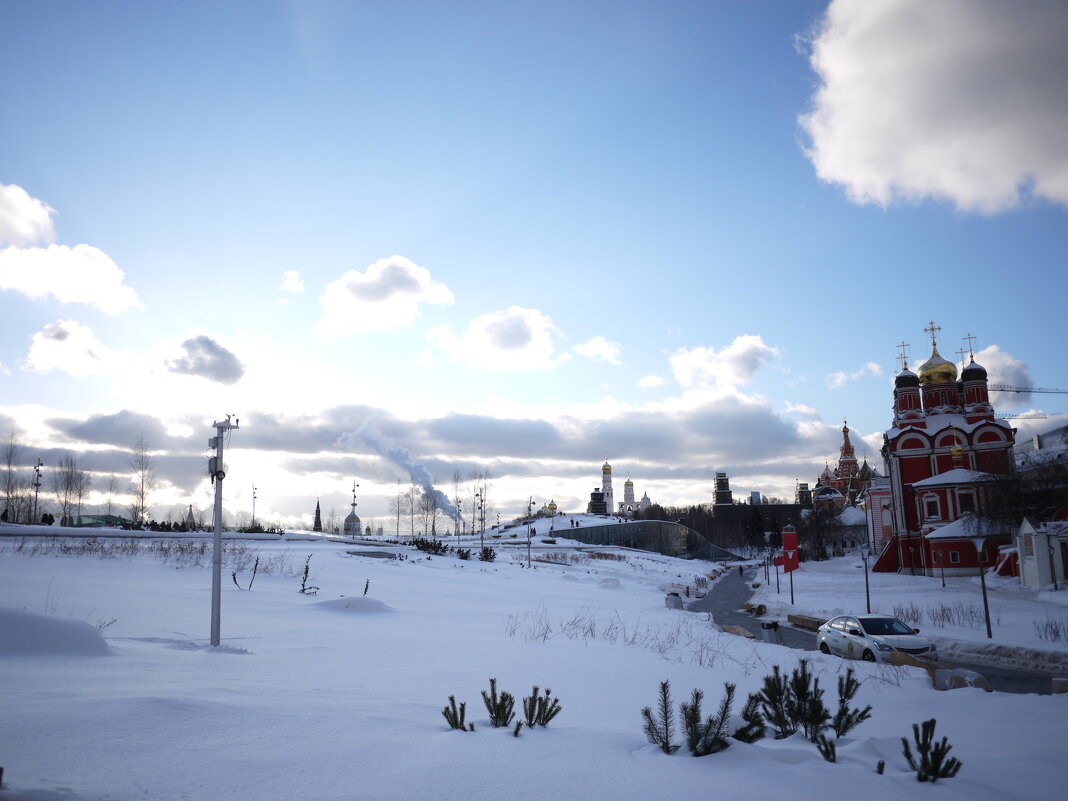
<point>945,443</point>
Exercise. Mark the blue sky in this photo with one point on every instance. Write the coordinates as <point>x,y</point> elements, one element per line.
<point>518,236</point>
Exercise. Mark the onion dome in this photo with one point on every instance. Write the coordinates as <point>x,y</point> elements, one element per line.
<point>973,372</point>
<point>937,370</point>
<point>606,468</point>
<point>552,506</point>
<point>628,483</point>
<point>906,378</point>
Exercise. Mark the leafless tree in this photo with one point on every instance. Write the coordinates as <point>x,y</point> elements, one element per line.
<point>412,505</point>
<point>16,487</point>
<point>112,488</point>
<point>396,507</point>
<point>144,479</point>
<point>68,482</point>
<point>457,479</point>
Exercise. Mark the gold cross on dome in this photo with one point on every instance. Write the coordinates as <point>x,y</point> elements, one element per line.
<point>903,357</point>
<point>933,329</point>
<point>970,339</point>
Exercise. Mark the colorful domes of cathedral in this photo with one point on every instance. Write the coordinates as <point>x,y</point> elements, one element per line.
<point>973,372</point>
<point>937,370</point>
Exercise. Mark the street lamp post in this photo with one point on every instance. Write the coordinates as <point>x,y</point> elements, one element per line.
<point>459,523</point>
<point>253,506</point>
<point>530,527</point>
<point>867,589</point>
<point>978,543</point>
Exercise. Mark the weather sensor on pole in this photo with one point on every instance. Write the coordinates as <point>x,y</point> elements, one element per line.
<point>218,473</point>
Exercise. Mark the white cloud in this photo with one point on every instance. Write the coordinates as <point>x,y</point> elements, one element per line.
<point>599,348</point>
<point>24,220</point>
<point>292,282</point>
<point>388,295</point>
<point>735,364</point>
<point>1004,368</point>
<point>517,339</point>
<point>961,100</point>
<point>207,358</point>
<point>801,408</point>
<point>838,379</point>
<point>648,381</point>
<point>72,348</point>
<point>79,274</point>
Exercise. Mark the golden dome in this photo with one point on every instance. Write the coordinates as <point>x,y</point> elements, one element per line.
<point>937,370</point>
<point>607,468</point>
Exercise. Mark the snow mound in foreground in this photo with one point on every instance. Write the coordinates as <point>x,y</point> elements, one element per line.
<point>28,634</point>
<point>356,605</point>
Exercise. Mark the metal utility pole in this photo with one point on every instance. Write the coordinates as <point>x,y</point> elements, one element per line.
<point>218,473</point>
<point>36,487</point>
<point>867,589</point>
<point>530,527</point>
<point>253,507</point>
<point>978,543</point>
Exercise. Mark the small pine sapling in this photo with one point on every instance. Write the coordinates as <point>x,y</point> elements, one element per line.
<point>773,696</point>
<point>933,763</point>
<point>463,553</point>
<point>658,730</point>
<point>455,716</point>
<point>825,747</point>
<point>754,729</point>
<point>487,554</point>
<point>499,707</point>
<point>707,736</point>
<point>880,766</point>
<point>366,587</point>
<point>540,709</point>
<point>304,588</point>
<point>804,702</point>
<point>845,718</point>
<point>518,726</point>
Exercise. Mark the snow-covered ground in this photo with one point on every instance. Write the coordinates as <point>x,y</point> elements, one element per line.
<point>1034,623</point>
<point>339,695</point>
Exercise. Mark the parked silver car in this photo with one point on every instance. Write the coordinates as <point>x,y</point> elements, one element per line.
<point>872,638</point>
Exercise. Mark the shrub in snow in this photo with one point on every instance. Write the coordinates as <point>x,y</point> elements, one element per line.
<point>463,553</point>
<point>435,547</point>
<point>845,718</point>
<point>540,709</point>
<point>707,736</point>
<point>455,717</point>
<point>487,554</point>
<point>304,588</point>
<point>499,706</point>
<point>659,729</point>
<point>754,728</point>
<point>933,763</point>
<point>804,703</point>
<point>773,696</point>
<point>826,747</point>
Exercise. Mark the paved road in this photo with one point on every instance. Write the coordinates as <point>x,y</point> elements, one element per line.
<point>727,595</point>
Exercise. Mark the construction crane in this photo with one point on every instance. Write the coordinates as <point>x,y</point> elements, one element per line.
<point>1008,388</point>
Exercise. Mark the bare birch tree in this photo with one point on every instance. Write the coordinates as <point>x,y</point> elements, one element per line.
<point>144,479</point>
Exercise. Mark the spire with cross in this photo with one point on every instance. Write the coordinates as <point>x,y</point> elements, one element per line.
<point>933,330</point>
<point>903,356</point>
<point>970,339</point>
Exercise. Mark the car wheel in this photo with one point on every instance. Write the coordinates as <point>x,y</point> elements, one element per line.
<point>868,656</point>
<point>824,649</point>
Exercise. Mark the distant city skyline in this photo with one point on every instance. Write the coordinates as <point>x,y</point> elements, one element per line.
<point>515,238</point>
